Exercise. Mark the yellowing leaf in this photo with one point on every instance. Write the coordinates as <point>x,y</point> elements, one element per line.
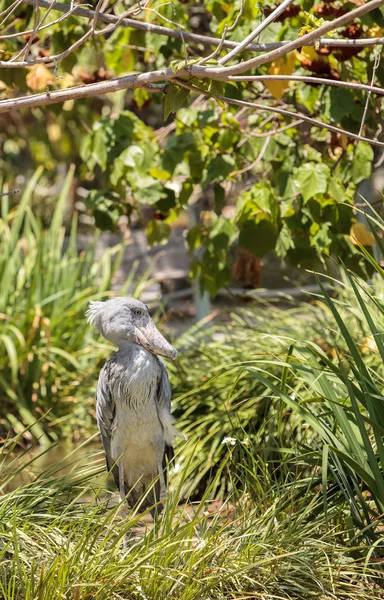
<point>67,80</point>
<point>39,77</point>
<point>281,66</point>
<point>307,53</point>
<point>375,32</point>
<point>159,174</point>
<point>359,234</point>
<point>54,132</point>
<point>368,344</point>
<point>344,141</point>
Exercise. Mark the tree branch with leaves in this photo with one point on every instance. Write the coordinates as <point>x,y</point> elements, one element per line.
<point>316,99</point>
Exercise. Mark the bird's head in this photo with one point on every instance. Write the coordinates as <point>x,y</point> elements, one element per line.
<point>122,320</point>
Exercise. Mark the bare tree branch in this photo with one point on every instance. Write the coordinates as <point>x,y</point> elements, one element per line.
<point>149,27</point>
<point>192,37</point>
<point>309,79</point>
<point>10,36</point>
<point>25,50</point>
<point>197,71</point>
<point>143,79</point>
<point>296,115</point>
<point>86,91</point>
<point>217,51</point>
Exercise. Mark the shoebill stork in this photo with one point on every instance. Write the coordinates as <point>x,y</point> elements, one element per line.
<point>133,400</point>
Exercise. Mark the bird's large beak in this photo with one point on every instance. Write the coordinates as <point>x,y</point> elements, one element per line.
<point>150,338</point>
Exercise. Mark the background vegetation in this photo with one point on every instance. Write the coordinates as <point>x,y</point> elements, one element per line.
<point>165,146</point>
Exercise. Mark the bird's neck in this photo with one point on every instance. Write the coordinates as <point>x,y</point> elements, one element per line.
<point>124,345</point>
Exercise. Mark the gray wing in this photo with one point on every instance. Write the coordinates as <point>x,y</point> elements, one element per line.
<point>164,395</point>
<point>105,413</point>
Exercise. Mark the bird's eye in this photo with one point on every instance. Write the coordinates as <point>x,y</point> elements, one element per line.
<point>137,311</point>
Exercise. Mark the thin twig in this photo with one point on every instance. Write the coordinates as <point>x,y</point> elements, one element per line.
<point>27,47</point>
<point>10,193</point>
<point>309,79</point>
<point>10,8</point>
<point>257,160</point>
<point>256,32</point>
<point>375,66</point>
<point>8,11</point>
<point>217,51</point>
<point>29,31</point>
<point>270,132</point>
<point>280,111</point>
<point>294,115</point>
<point>48,59</point>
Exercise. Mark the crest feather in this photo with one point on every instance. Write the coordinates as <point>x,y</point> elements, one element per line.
<point>94,310</point>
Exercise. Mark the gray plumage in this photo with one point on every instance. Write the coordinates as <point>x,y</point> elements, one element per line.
<point>133,399</point>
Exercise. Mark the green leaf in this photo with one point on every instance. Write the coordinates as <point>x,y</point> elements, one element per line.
<point>312,179</point>
<point>260,202</point>
<point>219,169</point>
<point>219,198</point>
<point>216,88</point>
<point>319,236</point>
<point>258,238</point>
<point>362,162</point>
<point>185,193</point>
<point>141,97</point>
<point>194,237</point>
<point>150,194</point>
<point>284,241</point>
<point>106,207</point>
<point>118,57</point>
<point>167,201</point>
<point>99,147</point>
<point>161,174</point>
<point>175,98</point>
<point>157,232</point>
<point>187,116</point>
<point>133,156</point>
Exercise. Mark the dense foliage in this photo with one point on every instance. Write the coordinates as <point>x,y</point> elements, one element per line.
<point>293,188</point>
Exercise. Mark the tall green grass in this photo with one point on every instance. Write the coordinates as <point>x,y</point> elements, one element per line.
<point>63,536</point>
<point>47,353</point>
<point>217,399</point>
<point>340,398</point>
<point>283,382</point>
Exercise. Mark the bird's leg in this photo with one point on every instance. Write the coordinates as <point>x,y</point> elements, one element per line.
<point>128,536</point>
<point>121,479</point>
<point>159,492</point>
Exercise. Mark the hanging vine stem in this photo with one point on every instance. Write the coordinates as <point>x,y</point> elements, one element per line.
<point>375,67</point>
